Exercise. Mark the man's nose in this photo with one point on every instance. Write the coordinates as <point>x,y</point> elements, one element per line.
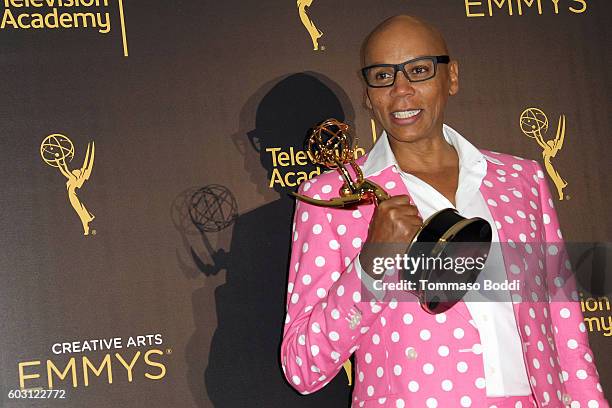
<point>402,84</point>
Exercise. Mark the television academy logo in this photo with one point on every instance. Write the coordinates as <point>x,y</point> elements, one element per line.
<point>62,15</point>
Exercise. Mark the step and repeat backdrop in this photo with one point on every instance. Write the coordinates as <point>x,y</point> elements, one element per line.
<point>147,153</point>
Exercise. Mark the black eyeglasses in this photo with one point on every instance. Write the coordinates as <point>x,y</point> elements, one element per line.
<point>416,70</point>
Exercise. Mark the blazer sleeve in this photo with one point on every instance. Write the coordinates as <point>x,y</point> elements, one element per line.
<point>576,358</point>
<point>326,317</point>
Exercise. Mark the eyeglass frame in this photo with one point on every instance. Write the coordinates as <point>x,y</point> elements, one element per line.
<point>436,59</point>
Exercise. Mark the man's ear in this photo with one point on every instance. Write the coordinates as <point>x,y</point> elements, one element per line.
<point>453,76</point>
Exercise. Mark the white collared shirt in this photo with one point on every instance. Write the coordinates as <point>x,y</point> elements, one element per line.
<point>504,366</point>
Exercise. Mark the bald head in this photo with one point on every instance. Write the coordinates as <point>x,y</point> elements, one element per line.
<point>400,29</point>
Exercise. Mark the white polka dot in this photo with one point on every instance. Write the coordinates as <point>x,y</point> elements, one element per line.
<point>504,198</point>
<point>553,250</point>
<point>536,363</point>
<point>581,374</point>
<point>321,293</point>
<point>400,403</point>
<point>356,242</point>
<point>408,319</point>
<point>356,214</point>
<point>390,185</point>
<point>397,369</point>
<point>458,333</point>
<point>314,350</point>
<point>517,167</point>
<point>316,229</point>
<point>335,356</point>
<point>380,372</point>
<point>466,401</point>
<point>492,202</point>
<point>334,336</point>
<point>341,229</point>
<point>572,344</point>
<point>425,334</point>
<point>515,269</point>
<point>431,403</point>
<point>302,340</point>
<point>441,317</point>
<point>480,383</point>
<point>565,313</point>
<point>305,216</point>
<point>413,386</point>
<point>333,244</point>
<point>521,214</point>
<point>340,290</point>
<point>306,279</point>
<point>370,390</point>
<point>296,380</point>
<point>335,276</point>
<point>319,261</point>
<point>462,366</point>
<point>509,219</point>
<point>447,385</point>
<point>395,337</point>
<point>326,188</point>
<point>356,297</point>
<point>376,339</point>
<point>443,351</point>
<point>305,247</point>
<point>335,314</point>
<point>593,404</point>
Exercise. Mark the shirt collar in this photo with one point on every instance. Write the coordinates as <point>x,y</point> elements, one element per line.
<point>381,156</point>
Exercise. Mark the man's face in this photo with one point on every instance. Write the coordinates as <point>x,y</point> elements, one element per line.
<point>395,106</point>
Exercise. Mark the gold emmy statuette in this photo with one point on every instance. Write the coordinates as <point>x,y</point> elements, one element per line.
<point>329,145</point>
<point>55,149</point>
<point>314,32</point>
<point>533,124</point>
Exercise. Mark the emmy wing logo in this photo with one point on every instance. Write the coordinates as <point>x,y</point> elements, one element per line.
<point>534,124</point>
<point>314,32</point>
<point>56,150</point>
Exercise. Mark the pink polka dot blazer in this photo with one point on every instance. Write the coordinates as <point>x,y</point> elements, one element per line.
<point>396,365</point>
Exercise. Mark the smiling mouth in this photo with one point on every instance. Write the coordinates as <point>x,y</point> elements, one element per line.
<point>406,113</point>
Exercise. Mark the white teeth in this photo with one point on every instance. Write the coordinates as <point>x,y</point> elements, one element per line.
<point>406,114</point>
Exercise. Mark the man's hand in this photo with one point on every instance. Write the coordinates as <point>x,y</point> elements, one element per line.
<point>393,226</point>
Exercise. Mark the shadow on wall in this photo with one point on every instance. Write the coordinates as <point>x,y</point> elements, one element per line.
<point>243,364</point>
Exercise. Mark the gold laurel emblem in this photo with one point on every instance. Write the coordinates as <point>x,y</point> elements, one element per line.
<point>314,32</point>
<point>534,124</point>
<point>56,150</point>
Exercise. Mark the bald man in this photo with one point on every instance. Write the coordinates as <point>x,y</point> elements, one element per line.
<point>528,348</point>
